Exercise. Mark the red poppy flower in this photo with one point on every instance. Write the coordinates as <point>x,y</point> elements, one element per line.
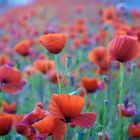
<point>90,84</point>
<point>124,48</point>
<point>54,42</point>
<point>134,130</point>
<point>10,79</point>
<point>6,121</point>
<point>44,65</point>
<point>109,15</point>
<point>68,108</point>
<point>9,108</point>
<point>104,68</point>
<point>23,130</point>
<point>36,115</point>
<point>99,57</point>
<point>23,48</point>
<point>51,125</point>
<point>24,124</point>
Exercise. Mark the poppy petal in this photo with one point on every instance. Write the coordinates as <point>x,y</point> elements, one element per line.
<point>85,120</point>
<point>32,117</point>
<point>7,72</point>
<point>59,130</point>
<point>45,126</point>
<point>66,105</point>
<point>13,88</point>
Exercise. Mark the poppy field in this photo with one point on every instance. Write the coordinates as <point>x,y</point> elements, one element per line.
<point>69,70</point>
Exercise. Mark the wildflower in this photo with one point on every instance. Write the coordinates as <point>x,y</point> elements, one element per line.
<point>6,121</point>
<point>50,125</point>
<point>9,108</point>
<point>90,84</point>
<point>134,130</point>
<point>21,129</point>
<point>23,48</point>
<point>123,48</point>
<point>127,111</point>
<point>43,65</point>
<point>54,43</point>
<point>68,109</point>
<point>10,79</point>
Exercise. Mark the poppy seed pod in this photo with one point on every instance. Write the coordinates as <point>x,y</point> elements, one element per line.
<point>68,61</point>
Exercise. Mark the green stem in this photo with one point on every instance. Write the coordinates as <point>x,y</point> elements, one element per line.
<point>104,123</point>
<point>88,134</point>
<point>120,100</point>
<point>66,133</point>
<point>1,138</point>
<point>63,80</point>
<point>57,75</point>
<point>104,116</point>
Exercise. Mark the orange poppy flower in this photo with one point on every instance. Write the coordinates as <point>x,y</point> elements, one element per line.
<point>68,109</point>
<point>90,84</point>
<point>109,15</point>
<point>10,79</point>
<point>4,59</point>
<point>124,48</point>
<point>51,125</point>
<point>54,42</point>
<point>44,65</point>
<point>98,56</point>
<point>23,48</point>
<point>9,108</point>
<point>134,130</point>
<point>6,121</point>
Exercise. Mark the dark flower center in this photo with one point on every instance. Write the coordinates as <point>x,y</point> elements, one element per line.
<point>66,120</point>
<point>4,81</point>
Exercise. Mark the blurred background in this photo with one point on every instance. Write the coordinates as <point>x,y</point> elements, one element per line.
<point>7,3</point>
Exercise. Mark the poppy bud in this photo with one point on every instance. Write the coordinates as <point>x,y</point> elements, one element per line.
<point>68,61</point>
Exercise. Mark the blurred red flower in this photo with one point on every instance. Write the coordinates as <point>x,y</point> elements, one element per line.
<point>55,43</point>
